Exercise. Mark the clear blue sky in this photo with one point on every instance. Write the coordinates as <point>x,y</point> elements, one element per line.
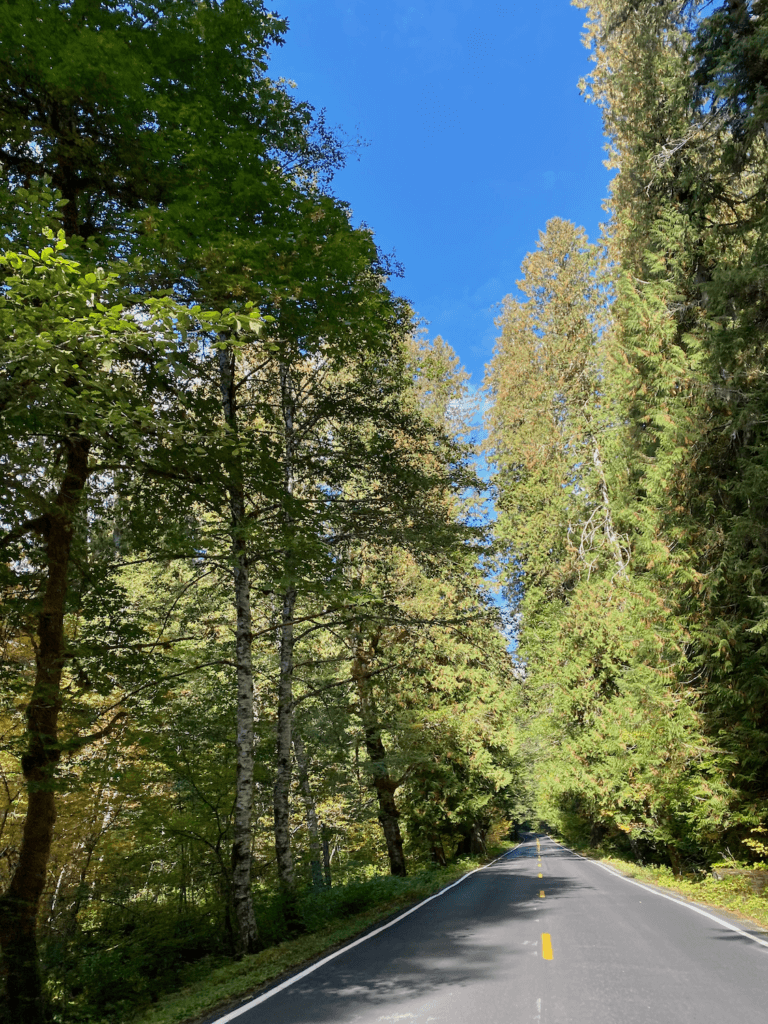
<point>477,136</point>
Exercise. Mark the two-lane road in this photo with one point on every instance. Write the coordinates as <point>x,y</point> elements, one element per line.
<point>541,936</point>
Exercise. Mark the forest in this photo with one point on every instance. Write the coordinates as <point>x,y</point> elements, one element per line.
<point>273,641</point>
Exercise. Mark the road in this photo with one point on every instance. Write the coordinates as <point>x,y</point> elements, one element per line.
<point>541,936</point>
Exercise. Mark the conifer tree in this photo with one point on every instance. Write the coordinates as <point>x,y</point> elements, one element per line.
<point>596,641</point>
<point>687,205</point>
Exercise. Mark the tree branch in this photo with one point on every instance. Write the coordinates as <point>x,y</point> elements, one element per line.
<point>38,525</point>
<point>82,741</point>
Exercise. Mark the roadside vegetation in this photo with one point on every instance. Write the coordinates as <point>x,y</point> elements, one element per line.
<point>347,911</point>
<point>258,685</point>
<point>249,649</point>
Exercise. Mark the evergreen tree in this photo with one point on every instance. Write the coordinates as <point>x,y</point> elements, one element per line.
<point>687,206</point>
<point>598,643</point>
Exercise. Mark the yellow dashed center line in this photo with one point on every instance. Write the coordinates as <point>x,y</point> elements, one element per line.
<point>540,875</point>
<point>546,946</point>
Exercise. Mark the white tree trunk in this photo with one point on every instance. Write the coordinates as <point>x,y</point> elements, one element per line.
<point>246,933</point>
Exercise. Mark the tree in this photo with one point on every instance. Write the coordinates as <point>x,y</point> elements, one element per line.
<point>600,644</point>
<point>549,415</point>
<point>138,149</point>
<point>686,233</point>
<point>83,380</point>
<point>260,444</point>
<point>138,113</point>
<point>409,598</point>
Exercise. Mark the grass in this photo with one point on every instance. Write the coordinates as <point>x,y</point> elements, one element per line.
<point>733,894</point>
<point>234,982</point>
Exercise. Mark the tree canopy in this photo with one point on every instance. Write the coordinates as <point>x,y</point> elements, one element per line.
<point>254,607</point>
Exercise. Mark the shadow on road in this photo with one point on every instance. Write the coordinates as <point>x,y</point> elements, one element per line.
<point>465,937</point>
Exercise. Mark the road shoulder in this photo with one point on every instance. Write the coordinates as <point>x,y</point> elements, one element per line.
<point>729,900</point>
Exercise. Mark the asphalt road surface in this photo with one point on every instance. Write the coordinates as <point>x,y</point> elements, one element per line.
<point>541,936</point>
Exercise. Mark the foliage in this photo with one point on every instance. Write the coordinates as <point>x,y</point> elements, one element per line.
<point>159,949</point>
<point>388,895</point>
<point>141,770</point>
<point>638,573</point>
<point>306,440</point>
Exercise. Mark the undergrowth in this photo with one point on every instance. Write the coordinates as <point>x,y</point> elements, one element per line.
<point>185,992</point>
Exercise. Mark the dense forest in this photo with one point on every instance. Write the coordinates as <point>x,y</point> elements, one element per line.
<point>253,650</point>
<point>628,423</point>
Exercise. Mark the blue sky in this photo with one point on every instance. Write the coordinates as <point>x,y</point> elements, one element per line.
<point>477,136</point>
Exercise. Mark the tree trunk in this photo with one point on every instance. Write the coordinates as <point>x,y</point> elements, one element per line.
<point>326,835</point>
<point>246,933</point>
<point>477,840</point>
<point>385,792</point>
<point>282,806</point>
<point>284,722</point>
<point>19,905</point>
<point>614,541</point>
<point>636,852</point>
<point>437,853</point>
<point>383,782</point>
<point>310,811</point>
<point>674,858</point>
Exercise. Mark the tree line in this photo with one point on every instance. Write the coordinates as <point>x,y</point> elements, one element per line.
<point>250,654</point>
<point>628,424</point>
<point>248,648</point>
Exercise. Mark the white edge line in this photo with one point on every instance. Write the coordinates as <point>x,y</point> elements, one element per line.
<point>363,938</point>
<point>665,896</point>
